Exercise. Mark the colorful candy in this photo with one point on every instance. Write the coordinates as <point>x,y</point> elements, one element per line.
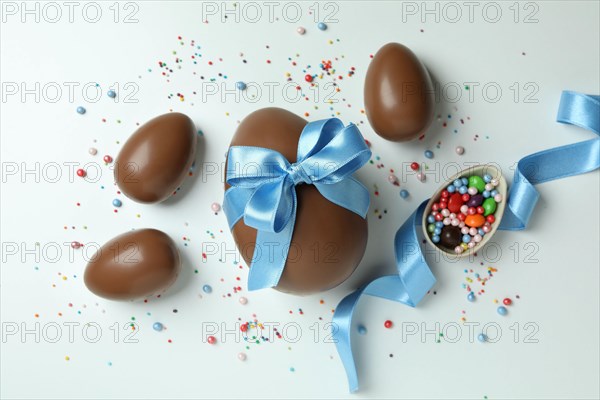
<point>464,212</point>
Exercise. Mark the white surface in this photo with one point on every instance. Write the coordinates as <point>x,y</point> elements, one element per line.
<point>559,290</point>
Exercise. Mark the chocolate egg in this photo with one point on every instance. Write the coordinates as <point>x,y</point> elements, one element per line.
<point>328,240</point>
<point>133,265</point>
<point>399,96</point>
<point>156,158</point>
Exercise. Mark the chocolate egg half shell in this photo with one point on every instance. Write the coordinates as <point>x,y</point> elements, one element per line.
<point>449,237</point>
<point>156,158</point>
<point>133,265</point>
<point>329,241</point>
<point>398,94</point>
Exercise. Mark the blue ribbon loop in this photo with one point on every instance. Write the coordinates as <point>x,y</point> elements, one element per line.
<point>263,190</point>
<point>414,277</point>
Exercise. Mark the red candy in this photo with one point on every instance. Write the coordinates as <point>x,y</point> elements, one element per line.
<point>308,78</point>
<point>107,159</point>
<point>461,216</point>
<point>472,211</point>
<point>211,340</point>
<point>507,301</point>
<point>480,210</point>
<point>490,218</point>
<point>435,207</point>
<point>388,324</point>
<point>414,166</point>
<point>445,194</point>
<point>439,217</point>
<point>81,173</point>
<point>443,204</point>
<point>466,197</point>
<point>455,203</point>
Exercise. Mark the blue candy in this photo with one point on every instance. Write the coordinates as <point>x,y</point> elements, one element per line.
<point>493,193</point>
<point>435,239</point>
<point>471,297</point>
<point>431,219</point>
<point>207,289</point>
<point>322,26</point>
<point>437,231</point>
<point>481,232</point>
<point>157,326</point>
<point>487,178</point>
<point>466,238</point>
<point>404,194</point>
<point>428,153</point>
<point>465,181</point>
<point>451,189</point>
<point>240,85</point>
<point>463,189</point>
<point>81,110</point>
<point>439,224</point>
<point>486,194</point>
<point>502,310</point>
<point>482,338</point>
<point>117,203</point>
<point>458,183</point>
<point>112,94</point>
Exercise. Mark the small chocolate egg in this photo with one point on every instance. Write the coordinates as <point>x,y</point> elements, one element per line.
<point>398,93</point>
<point>329,241</point>
<point>156,158</point>
<point>133,265</point>
<point>451,237</point>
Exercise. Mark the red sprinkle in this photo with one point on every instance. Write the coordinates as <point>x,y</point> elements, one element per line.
<point>388,324</point>
<point>507,301</point>
<point>414,166</point>
<point>81,173</point>
<point>211,340</point>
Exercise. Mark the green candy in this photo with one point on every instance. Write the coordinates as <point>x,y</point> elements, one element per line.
<point>430,228</point>
<point>478,182</point>
<point>489,206</point>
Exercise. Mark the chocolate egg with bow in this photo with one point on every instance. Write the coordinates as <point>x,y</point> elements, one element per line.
<point>134,265</point>
<point>155,160</point>
<point>398,94</point>
<point>328,240</point>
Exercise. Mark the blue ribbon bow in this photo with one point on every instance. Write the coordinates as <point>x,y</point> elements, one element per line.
<point>263,189</point>
<point>414,277</point>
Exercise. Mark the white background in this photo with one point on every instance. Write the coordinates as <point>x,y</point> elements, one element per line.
<point>554,270</point>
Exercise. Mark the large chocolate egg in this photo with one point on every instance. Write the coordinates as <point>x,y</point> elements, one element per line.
<point>399,96</point>
<point>328,240</point>
<point>156,158</point>
<point>133,265</point>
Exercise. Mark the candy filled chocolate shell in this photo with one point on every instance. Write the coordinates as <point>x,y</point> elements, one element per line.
<point>328,241</point>
<point>466,211</point>
<point>133,265</point>
<point>155,160</point>
<point>398,94</point>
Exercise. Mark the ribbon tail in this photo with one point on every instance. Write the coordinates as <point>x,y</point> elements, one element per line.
<point>560,162</point>
<point>269,257</point>
<point>412,283</point>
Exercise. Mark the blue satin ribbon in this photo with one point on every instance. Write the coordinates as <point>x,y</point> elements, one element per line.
<point>263,189</point>
<point>414,277</point>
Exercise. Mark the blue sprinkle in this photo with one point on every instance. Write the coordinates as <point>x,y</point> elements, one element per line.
<point>435,239</point>
<point>486,194</point>
<point>240,85</point>
<point>112,94</point>
<point>451,188</point>
<point>81,110</point>
<point>431,219</point>
<point>439,224</point>
<point>362,330</point>
<point>502,310</point>
<point>404,193</point>
<point>482,338</point>
<point>428,153</point>
<point>487,178</point>
<point>471,297</point>
<point>466,238</point>
<point>207,289</point>
<point>437,231</point>
<point>458,183</point>
<point>463,189</point>
<point>322,26</point>
<point>117,203</point>
<point>465,181</point>
<point>157,326</point>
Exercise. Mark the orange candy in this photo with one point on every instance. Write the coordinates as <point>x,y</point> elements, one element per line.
<point>475,221</point>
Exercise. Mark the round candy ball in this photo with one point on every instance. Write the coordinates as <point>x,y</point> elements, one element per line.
<point>322,26</point>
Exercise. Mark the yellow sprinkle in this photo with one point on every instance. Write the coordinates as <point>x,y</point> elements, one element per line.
<point>67,358</point>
